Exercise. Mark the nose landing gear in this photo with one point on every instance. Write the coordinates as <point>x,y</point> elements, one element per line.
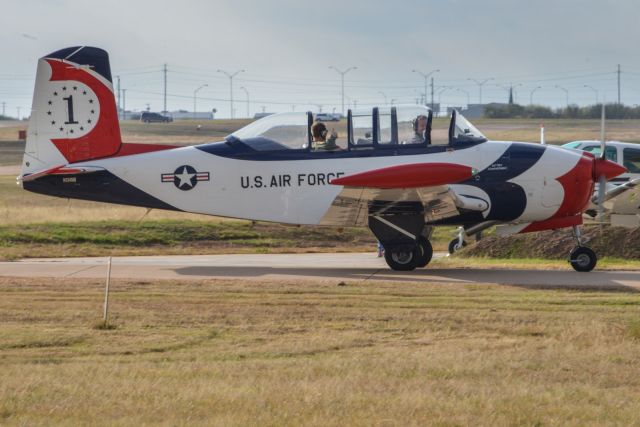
<point>582,258</point>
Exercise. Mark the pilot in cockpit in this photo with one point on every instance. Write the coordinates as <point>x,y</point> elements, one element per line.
<point>420,130</point>
<point>319,133</point>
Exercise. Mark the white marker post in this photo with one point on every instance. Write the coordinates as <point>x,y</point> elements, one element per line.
<point>105,316</point>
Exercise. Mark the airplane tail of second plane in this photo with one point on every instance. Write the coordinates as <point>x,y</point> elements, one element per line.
<point>73,116</point>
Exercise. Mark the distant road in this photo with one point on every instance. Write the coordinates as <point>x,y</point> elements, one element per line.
<point>323,267</point>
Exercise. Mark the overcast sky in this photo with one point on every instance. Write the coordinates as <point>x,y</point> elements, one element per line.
<point>286,47</point>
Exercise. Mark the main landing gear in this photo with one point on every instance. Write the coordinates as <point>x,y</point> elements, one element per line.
<point>582,258</point>
<point>409,256</point>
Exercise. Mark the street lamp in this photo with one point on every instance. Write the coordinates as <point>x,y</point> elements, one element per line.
<point>426,80</point>
<point>247,92</point>
<point>480,83</point>
<point>532,92</point>
<point>231,76</point>
<point>342,73</point>
<point>596,91</point>
<point>441,91</point>
<point>384,95</point>
<point>194,98</point>
<point>468,96</point>
<point>566,91</point>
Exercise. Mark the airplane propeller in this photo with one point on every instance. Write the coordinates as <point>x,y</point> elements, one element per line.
<point>602,180</point>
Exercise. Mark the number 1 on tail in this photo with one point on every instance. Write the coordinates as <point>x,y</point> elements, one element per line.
<point>69,100</point>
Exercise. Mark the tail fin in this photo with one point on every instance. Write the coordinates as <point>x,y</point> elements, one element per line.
<point>73,115</point>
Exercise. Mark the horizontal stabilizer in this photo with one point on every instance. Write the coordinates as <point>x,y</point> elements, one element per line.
<point>408,176</point>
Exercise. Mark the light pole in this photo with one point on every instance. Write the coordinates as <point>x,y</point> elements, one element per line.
<point>342,73</point>
<point>566,91</point>
<point>468,96</point>
<point>480,83</point>
<point>384,95</point>
<point>426,83</point>
<point>194,98</point>
<point>247,92</point>
<point>532,92</point>
<point>231,76</point>
<point>596,91</point>
<point>392,101</point>
<point>441,91</point>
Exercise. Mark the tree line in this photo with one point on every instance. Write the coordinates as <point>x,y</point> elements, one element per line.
<point>613,111</point>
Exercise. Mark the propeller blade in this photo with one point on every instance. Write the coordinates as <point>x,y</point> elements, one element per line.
<point>603,144</point>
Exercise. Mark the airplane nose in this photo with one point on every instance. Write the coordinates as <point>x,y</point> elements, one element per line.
<point>607,168</point>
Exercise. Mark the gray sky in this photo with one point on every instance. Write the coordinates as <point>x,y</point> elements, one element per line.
<point>286,46</point>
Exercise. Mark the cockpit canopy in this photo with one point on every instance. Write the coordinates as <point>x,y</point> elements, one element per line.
<point>396,127</point>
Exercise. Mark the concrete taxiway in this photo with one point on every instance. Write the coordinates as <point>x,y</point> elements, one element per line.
<point>324,267</point>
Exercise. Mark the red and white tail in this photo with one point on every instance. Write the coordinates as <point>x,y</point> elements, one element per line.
<point>73,115</point>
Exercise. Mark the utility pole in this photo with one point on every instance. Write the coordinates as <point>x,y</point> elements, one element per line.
<point>247,92</point>
<point>195,92</point>
<point>480,83</point>
<point>432,96</point>
<point>118,89</point>
<point>426,83</point>
<point>124,104</point>
<point>164,111</point>
<point>231,76</point>
<point>618,83</point>
<point>342,73</point>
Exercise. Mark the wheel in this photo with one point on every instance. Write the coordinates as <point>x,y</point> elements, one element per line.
<point>402,258</point>
<point>583,259</point>
<point>454,246</point>
<point>426,252</point>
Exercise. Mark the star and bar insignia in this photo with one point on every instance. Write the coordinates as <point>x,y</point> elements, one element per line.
<point>185,177</point>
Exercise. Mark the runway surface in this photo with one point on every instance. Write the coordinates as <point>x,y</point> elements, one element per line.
<point>324,267</point>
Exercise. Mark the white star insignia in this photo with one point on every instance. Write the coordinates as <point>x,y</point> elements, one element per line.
<point>185,177</point>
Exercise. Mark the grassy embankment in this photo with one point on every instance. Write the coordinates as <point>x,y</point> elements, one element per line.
<point>283,353</point>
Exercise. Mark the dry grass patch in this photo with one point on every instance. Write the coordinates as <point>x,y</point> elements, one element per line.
<point>281,353</point>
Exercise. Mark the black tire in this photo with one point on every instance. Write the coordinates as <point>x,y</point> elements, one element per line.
<point>583,259</point>
<point>402,258</point>
<point>425,252</point>
<point>453,244</point>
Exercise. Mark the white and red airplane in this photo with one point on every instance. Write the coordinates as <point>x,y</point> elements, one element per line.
<point>386,173</point>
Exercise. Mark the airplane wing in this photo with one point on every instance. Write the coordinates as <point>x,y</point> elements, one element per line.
<point>616,191</point>
<point>413,189</point>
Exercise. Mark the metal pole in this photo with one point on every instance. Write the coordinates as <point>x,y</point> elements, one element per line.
<point>480,83</point>
<point>532,92</point>
<point>342,73</point>
<point>105,314</point>
<point>231,76</point>
<point>618,83</point>
<point>164,111</point>
<point>384,95</point>
<point>194,98</point>
<point>426,84</point>
<point>566,91</point>
<point>247,92</point>
<point>596,91</point>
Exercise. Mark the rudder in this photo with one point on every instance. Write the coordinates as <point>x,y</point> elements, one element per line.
<point>73,115</point>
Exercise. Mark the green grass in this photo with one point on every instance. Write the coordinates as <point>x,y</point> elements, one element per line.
<point>231,352</point>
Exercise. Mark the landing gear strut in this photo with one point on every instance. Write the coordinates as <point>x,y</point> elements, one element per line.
<point>459,242</point>
<point>582,258</point>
